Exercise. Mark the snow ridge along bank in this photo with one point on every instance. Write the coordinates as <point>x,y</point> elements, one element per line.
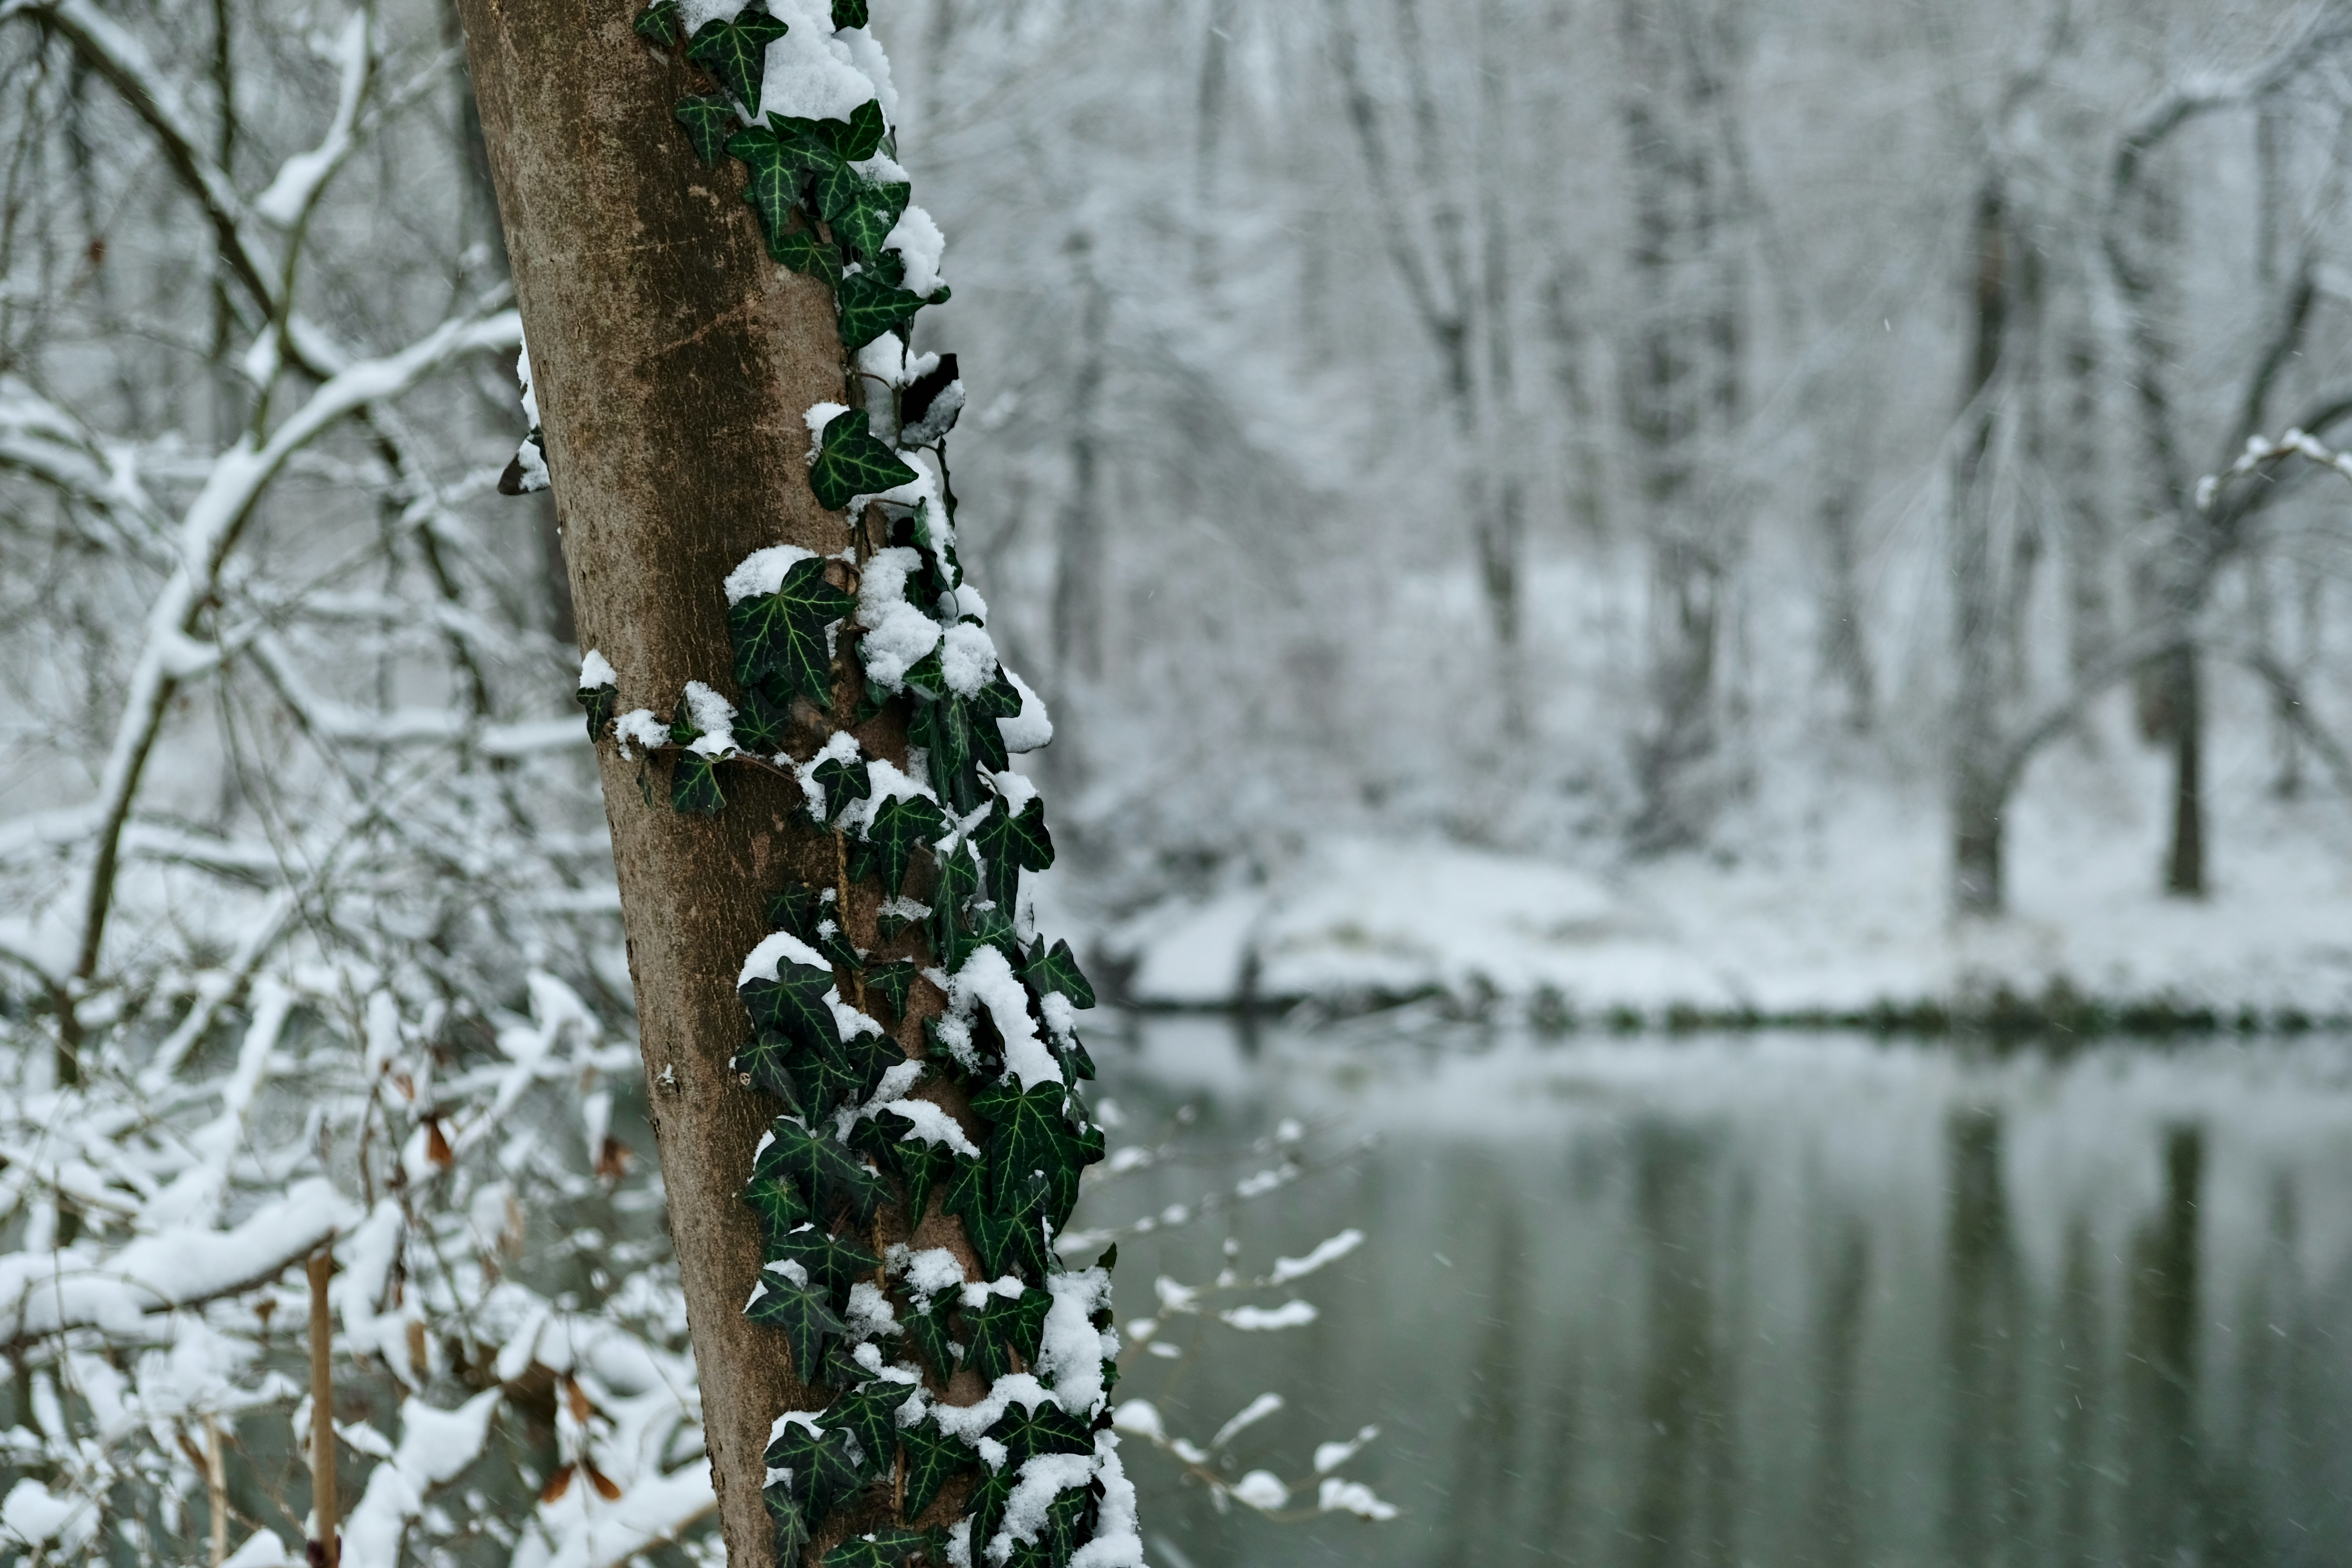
<point>1356,922</point>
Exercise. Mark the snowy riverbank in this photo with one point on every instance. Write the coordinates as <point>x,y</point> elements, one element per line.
<point>1847,915</point>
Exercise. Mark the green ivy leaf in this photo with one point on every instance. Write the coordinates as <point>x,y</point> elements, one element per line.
<point>600,701</point>
<point>735,53</point>
<point>792,1521</point>
<point>827,1080</point>
<point>1043,1428</point>
<point>823,1472</point>
<point>1057,970</point>
<point>919,1166</point>
<point>992,926</point>
<point>873,304</point>
<point>763,726</point>
<point>800,247</point>
<point>1008,838</point>
<point>694,787</point>
<point>865,219</point>
<point>852,14</point>
<point>964,1192</point>
<point>927,1332</point>
<point>885,1548</point>
<point>823,1169</point>
<point>781,635</point>
<point>803,1314</point>
<point>852,461</point>
<point>998,700</point>
<point>835,186</point>
<point>799,910</point>
<point>944,729</point>
<point>985,1505</point>
<point>1033,1137</point>
<point>933,1459</point>
<point>706,117</point>
<point>929,674</point>
<point>833,1261</point>
<point>777,171</point>
<point>843,782</point>
<point>793,1004</point>
<point>835,945</point>
<point>1010,1238</point>
<point>894,982</point>
<point>768,1059</point>
<point>900,825</point>
<point>871,1416</point>
<point>780,1206</point>
<point>1005,1326</point>
<point>657,24</point>
<point>861,136</point>
<point>987,749</point>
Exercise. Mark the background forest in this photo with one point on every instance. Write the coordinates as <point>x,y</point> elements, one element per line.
<point>1627,507</point>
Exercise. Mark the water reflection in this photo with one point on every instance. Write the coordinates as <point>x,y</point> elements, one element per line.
<point>1779,1301</point>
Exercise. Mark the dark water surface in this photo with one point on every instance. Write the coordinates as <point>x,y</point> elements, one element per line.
<point>1773,1299</point>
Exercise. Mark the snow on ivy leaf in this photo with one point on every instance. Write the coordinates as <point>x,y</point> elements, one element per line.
<point>824,1473</point>
<point>898,826</point>
<point>657,24</point>
<point>851,461</point>
<point>852,14</point>
<point>871,305</point>
<point>694,787</point>
<point>1048,972</point>
<point>933,1459</point>
<point>794,1004</point>
<point>803,1312</point>
<point>781,636</point>
<point>706,117</point>
<point>735,53</point>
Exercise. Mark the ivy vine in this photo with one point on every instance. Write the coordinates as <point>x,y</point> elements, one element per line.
<point>967,1421</point>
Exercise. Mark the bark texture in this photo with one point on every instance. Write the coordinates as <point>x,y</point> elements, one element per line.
<point>673,363</point>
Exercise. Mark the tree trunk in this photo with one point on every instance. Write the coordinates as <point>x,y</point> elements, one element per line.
<point>2184,866</point>
<point>1979,793</point>
<point>1682,391</point>
<point>662,337</point>
<point>1078,546</point>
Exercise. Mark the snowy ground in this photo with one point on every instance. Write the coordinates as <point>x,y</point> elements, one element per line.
<point>1835,906</point>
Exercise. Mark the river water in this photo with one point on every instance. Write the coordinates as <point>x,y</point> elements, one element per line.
<point>1776,1299</point>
